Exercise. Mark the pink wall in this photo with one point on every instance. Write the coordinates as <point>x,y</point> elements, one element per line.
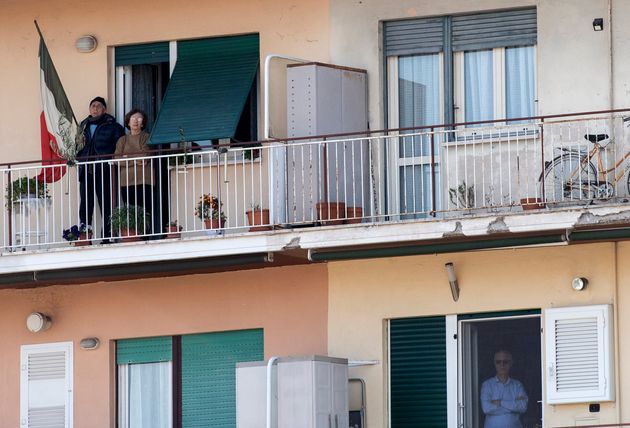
<point>289,303</point>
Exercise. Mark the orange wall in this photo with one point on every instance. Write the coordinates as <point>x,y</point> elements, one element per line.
<point>289,303</point>
<point>294,28</point>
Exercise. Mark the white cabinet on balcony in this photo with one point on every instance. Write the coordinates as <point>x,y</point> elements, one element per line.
<point>324,99</point>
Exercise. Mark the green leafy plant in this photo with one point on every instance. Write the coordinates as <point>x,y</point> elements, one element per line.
<point>462,196</point>
<point>209,207</point>
<point>23,187</point>
<point>129,217</point>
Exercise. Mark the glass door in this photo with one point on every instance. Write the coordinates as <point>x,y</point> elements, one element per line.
<point>500,378</point>
<point>416,93</point>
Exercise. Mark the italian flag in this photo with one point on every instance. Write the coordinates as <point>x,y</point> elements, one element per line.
<point>57,122</point>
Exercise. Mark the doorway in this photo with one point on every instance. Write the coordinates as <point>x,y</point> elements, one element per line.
<point>482,336</point>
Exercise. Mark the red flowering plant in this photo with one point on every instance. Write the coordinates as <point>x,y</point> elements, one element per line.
<point>209,207</point>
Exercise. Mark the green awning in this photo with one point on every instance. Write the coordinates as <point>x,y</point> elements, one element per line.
<point>208,89</point>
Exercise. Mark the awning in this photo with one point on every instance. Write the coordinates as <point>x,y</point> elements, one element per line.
<point>208,89</point>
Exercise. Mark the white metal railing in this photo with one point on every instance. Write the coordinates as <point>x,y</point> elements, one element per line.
<point>431,172</point>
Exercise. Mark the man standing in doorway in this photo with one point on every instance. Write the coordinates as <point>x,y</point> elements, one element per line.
<point>503,399</point>
<point>95,178</point>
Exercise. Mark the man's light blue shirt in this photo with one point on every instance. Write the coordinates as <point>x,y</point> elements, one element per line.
<point>513,402</point>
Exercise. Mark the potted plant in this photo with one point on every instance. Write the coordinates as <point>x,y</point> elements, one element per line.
<point>78,235</point>
<point>331,213</point>
<point>258,218</point>
<point>462,196</point>
<point>209,210</point>
<point>129,220</point>
<point>173,230</point>
<point>354,215</point>
<point>24,189</point>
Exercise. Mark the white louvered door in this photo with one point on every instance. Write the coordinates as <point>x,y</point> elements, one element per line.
<point>46,385</point>
<point>578,352</point>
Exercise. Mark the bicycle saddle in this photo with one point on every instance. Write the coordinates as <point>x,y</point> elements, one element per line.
<point>596,138</point>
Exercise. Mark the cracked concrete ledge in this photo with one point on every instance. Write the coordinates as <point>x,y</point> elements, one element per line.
<point>315,238</point>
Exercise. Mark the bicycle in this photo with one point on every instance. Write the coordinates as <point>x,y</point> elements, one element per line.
<point>572,175</point>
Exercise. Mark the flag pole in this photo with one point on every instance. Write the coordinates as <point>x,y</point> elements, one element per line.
<point>41,37</point>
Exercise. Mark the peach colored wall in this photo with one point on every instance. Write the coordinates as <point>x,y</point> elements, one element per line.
<point>295,28</point>
<point>289,303</point>
<point>363,295</point>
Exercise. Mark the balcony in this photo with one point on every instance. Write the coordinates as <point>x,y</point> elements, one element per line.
<point>428,179</point>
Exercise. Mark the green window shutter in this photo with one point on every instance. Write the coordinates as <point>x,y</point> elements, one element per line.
<point>145,350</point>
<point>209,375</point>
<point>147,53</point>
<point>208,89</point>
<point>418,372</point>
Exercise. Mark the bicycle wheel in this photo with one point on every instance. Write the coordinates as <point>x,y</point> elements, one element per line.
<point>569,177</point>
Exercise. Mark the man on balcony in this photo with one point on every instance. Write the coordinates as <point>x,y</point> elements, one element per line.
<point>95,176</point>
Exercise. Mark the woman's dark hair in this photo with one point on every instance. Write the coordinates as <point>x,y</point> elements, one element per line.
<point>131,113</point>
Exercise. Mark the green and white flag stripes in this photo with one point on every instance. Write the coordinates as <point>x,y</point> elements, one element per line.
<point>62,127</point>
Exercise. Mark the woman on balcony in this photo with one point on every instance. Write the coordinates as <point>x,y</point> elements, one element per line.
<point>135,177</point>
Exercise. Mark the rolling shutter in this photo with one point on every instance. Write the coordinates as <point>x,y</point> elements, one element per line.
<point>144,350</point>
<point>495,29</point>
<point>46,386</point>
<point>147,53</point>
<point>209,375</point>
<point>579,360</point>
<point>414,36</point>
<point>208,89</point>
<point>418,372</point>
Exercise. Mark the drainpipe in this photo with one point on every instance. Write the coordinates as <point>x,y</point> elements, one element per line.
<point>266,90</point>
<point>617,365</point>
<point>611,95</point>
<point>272,207</point>
<point>269,369</point>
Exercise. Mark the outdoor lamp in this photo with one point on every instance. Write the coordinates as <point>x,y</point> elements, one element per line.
<point>598,24</point>
<point>452,280</point>
<point>579,284</point>
<point>37,322</point>
<point>86,44</point>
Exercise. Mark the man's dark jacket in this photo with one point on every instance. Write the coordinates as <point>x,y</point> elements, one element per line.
<point>106,134</point>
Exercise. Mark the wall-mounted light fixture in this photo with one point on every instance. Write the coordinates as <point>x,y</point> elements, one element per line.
<point>452,280</point>
<point>579,284</point>
<point>89,343</point>
<point>37,322</point>
<point>86,44</point>
<point>598,24</point>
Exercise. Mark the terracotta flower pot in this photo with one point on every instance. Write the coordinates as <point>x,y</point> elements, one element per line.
<point>258,219</point>
<point>331,213</point>
<point>532,203</point>
<point>172,231</point>
<point>214,223</point>
<point>354,215</point>
<point>84,239</point>
<point>129,235</point>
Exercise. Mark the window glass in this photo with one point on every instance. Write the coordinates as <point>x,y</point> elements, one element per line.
<point>419,99</point>
<point>519,82</point>
<point>149,395</point>
<point>478,85</point>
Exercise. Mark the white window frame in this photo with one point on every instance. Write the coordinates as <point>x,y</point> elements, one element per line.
<point>498,78</point>
<point>605,390</point>
<point>25,351</point>
<point>395,162</point>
